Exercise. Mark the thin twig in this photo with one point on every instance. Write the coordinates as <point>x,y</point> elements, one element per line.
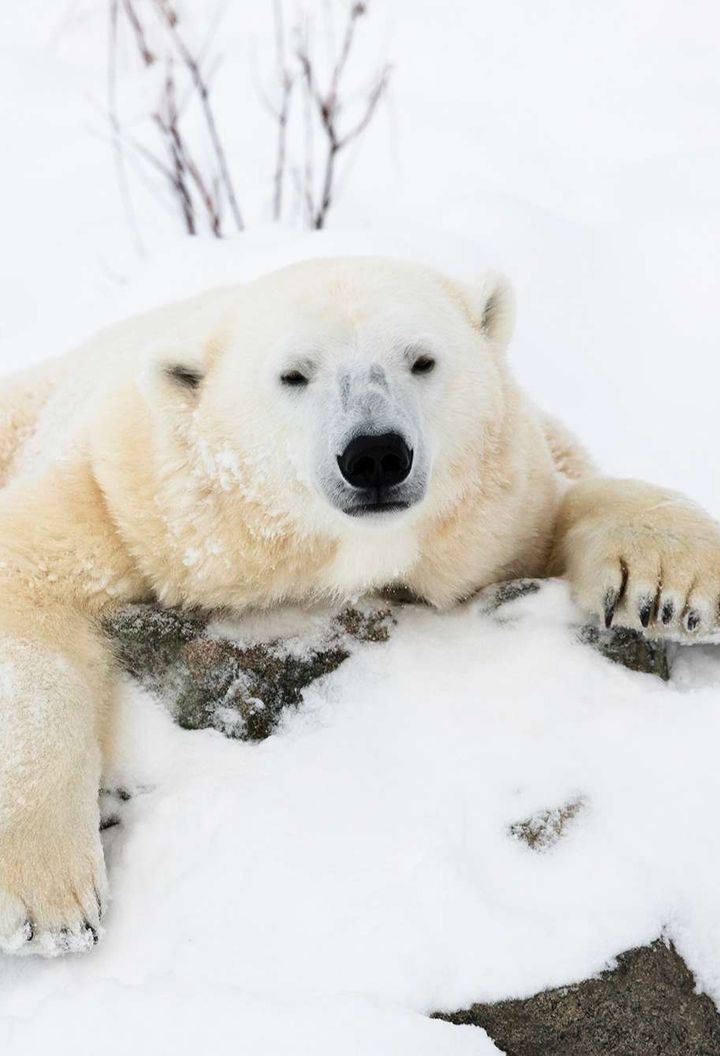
<point>328,105</point>
<point>184,164</point>
<point>143,47</point>
<point>193,68</point>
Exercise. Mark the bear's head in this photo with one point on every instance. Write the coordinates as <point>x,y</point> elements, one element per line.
<point>345,393</point>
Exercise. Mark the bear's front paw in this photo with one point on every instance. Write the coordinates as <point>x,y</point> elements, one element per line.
<point>658,572</point>
<point>52,890</point>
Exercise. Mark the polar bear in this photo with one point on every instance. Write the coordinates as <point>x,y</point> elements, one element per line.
<point>330,429</point>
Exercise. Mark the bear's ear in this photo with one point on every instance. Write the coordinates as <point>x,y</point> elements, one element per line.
<point>490,303</point>
<point>173,372</point>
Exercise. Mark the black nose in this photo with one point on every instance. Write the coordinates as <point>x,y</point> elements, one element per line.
<point>376,461</point>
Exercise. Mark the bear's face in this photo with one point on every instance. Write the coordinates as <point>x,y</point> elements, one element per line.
<point>346,394</point>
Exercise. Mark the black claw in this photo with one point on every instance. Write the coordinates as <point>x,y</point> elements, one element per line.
<point>87,927</point>
<point>645,609</point>
<point>29,930</point>
<point>609,605</point>
<point>668,611</point>
<point>692,620</point>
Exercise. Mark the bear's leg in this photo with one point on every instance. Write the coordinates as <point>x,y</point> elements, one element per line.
<point>639,556</point>
<point>61,563</point>
<point>54,687</point>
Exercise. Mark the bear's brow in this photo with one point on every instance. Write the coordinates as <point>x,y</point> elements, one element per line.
<point>307,362</point>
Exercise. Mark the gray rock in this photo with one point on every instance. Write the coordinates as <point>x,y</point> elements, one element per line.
<point>543,830</point>
<point>239,689</point>
<point>646,1006</point>
<point>629,648</point>
<point>623,646</point>
<point>243,689</point>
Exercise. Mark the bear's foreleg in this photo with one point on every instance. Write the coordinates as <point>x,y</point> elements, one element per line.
<point>639,556</point>
<point>60,561</point>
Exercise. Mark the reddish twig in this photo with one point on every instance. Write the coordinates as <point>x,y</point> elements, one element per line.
<point>184,167</point>
<point>193,67</point>
<point>143,47</point>
<point>328,106</point>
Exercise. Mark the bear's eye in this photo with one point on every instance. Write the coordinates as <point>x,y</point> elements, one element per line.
<point>423,365</point>
<point>294,377</point>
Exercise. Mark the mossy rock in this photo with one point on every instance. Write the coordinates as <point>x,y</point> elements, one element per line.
<point>238,688</point>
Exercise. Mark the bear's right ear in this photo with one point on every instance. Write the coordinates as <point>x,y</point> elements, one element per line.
<point>173,373</point>
<point>490,303</point>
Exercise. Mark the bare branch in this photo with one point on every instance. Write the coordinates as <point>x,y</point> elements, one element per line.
<point>184,164</point>
<point>356,12</point>
<point>328,105</point>
<point>376,94</point>
<point>143,47</point>
<point>167,124</point>
<point>201,87</point>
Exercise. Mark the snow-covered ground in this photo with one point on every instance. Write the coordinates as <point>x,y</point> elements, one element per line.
<point>318,892</point>
<point>322,891</point>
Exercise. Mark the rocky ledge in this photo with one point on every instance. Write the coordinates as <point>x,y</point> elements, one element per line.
<point>242,684</point>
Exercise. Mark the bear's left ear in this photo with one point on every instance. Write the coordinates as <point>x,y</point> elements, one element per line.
<point>490,303</point>
<point>173,372</point>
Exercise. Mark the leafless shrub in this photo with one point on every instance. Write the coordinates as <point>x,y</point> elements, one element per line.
<point>329,107</point>
<point>327,121</point>
<point>200,191</point>
<point>192,65</point>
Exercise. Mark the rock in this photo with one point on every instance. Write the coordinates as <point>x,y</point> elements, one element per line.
<point>238,688</point>
<point>493,598</point>
<point>630,649</point>
<point>543,830</point>
<point>619,644</point>
<point>242,688</point>
<point>646,1006</point>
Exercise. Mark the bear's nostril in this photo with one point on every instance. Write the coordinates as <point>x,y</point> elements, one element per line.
<point>376,461</point>
<point>391,464</point>
<point>363,469</point>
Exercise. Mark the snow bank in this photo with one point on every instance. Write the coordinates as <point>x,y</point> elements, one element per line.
<point>359,868</point>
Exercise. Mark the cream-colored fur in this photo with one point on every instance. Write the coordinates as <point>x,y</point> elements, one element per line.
<point>126,479</point>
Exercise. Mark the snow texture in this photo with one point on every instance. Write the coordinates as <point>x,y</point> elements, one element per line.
<point>324,890</point>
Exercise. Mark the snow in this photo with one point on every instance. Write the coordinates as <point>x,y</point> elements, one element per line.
<point>323,891</point>
<point>357,869</point>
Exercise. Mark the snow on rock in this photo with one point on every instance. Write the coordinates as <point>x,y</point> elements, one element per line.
<point>357,870</point>
<point>647,1004</point>
<point>546,827</point>
<point>240,685</point>
<point>239,678</point>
